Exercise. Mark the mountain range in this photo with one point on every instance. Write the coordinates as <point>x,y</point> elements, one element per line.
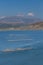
<point>20,22</point>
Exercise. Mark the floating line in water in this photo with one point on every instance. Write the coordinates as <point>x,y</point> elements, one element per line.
<point>19,40</point>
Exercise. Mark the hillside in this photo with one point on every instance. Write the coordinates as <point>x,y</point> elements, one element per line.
<point>35,26</point>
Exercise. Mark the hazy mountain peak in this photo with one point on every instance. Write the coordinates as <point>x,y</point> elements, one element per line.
<point>20,19</point>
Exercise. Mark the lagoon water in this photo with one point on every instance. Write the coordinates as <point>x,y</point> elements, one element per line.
<point>21,47</point>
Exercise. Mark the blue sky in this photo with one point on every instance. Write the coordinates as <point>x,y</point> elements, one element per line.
<point>24,7</point>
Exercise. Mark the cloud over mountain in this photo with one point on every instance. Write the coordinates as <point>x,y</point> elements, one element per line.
<point>30,14</point>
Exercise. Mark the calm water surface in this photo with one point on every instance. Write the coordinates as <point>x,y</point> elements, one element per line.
<point>11,40</point>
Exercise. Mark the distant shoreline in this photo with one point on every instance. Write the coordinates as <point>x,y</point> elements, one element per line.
<point>10,27</point>
<point>13,29</point>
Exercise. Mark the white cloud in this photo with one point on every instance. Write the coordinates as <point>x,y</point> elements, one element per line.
<point>30,14</point>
